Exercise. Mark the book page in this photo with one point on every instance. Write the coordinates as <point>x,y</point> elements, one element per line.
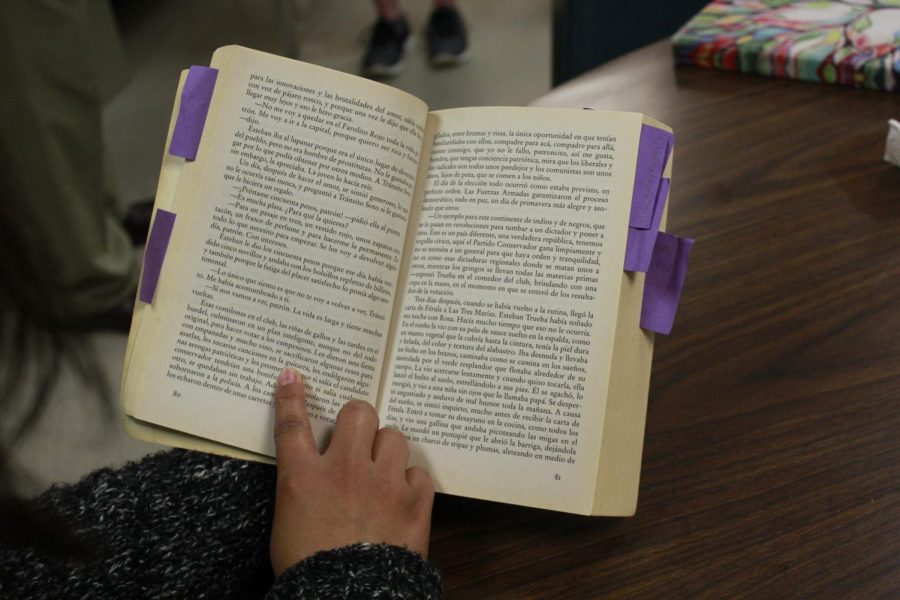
<point>285,252</point>
<point>500,366</point>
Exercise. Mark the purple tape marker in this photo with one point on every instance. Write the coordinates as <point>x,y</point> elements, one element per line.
<point>664,282</point>
<point>195,97</point>
<point>653,152</point>
<point>639,247</point>
<point>157,243</point>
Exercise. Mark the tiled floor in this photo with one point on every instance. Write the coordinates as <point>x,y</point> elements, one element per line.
<point>510,66</point>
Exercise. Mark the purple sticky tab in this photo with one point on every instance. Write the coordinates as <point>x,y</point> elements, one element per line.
<point>653,152</point>
<point>664,282</point>
<point>155,252</point>
<point>195,97</point>
<point>639,248</point>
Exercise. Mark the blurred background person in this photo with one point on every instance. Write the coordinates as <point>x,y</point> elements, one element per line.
<point>391,38</point>
<point>62,60</point>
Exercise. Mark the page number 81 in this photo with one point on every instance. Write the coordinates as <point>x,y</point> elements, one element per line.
<point>557,476</point>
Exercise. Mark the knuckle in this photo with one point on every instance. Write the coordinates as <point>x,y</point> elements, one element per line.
<point>420,480</point>
<point>359,412</point>
<point>289,425</point>
<point>390,447</point>
<point>350,474</point>
<point>393,437</point>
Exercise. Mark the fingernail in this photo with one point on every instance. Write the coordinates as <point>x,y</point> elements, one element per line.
<point>287,377</point>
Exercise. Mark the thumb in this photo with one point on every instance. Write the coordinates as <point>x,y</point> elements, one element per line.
<point>293,433</point>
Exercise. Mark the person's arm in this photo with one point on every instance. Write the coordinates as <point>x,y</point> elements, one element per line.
<point>353,520</point>
<point>360,571</point>
<point>185,524</point>
<point>175,523</point>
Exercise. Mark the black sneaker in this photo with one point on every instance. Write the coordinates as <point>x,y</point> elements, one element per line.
<point>387,47</point>
<point>447,44</point>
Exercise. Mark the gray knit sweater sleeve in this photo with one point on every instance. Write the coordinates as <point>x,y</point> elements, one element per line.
<point>360,571</point>
<point>181,524</point>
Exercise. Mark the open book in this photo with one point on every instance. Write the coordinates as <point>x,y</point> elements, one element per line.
<point>461,270</point>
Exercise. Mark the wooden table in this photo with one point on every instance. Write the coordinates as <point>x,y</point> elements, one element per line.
<point>772,454</point>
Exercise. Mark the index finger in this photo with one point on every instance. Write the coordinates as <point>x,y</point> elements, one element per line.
<point>293,432</point>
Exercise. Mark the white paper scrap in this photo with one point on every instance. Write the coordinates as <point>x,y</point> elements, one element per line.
<point>892,145</point>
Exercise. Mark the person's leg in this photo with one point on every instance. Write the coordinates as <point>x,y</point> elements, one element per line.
<point>388,9</point>
<point>388,43</point>
<point>52,149</point>
<point>448,43</point>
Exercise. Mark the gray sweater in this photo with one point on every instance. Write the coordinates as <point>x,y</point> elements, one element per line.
<point>182,524</point>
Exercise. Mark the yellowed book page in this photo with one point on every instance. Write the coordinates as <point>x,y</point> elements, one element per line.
<point>285,251</point>
<point>618,473</point>
<point>500,367</point>
<point>170,174</point>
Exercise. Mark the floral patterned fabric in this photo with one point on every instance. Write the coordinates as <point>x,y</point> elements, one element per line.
<point>849,42</point>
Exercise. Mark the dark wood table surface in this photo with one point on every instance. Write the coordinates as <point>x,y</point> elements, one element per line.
<point>771,461</point>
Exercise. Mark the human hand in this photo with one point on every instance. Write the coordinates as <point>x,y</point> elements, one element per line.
<point>358,490</point>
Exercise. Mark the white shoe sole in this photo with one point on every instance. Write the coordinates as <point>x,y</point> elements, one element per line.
<point>386,71</point>
<point>451,60</point>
